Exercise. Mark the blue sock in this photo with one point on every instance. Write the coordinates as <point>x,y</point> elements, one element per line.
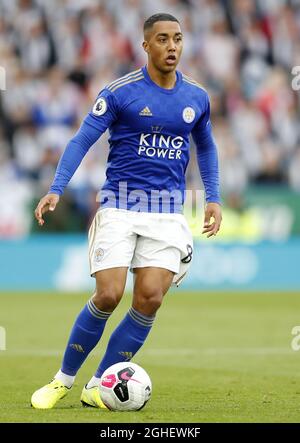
<point>86,333</point>
<point>126,339</point>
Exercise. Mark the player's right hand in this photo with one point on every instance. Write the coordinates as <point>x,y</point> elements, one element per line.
<point>47,203</point>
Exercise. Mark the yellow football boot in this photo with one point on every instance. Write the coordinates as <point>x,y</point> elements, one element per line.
<point>91,397</point>
<point>47,396</point>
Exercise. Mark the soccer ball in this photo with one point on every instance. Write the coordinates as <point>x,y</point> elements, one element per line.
<point>125,387</point>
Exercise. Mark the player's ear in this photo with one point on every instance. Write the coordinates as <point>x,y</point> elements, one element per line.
<point>145,46</point>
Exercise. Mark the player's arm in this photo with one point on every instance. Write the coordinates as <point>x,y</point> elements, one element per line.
<point>103,114</point>
<point>207,158</point>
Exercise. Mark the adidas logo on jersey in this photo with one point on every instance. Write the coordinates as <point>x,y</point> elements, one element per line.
<point>146,112</point>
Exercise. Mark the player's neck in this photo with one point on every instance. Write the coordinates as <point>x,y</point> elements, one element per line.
<point>164,80</point>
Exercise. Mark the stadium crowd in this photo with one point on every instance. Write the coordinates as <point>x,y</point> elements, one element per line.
<point>58,54</point>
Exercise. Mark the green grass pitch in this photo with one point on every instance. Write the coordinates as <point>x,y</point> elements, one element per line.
<point>213,357</point>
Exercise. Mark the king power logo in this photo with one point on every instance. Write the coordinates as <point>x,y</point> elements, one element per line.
<point>159,145</point>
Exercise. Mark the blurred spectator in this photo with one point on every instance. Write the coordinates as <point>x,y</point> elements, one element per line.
<point>58,55</point>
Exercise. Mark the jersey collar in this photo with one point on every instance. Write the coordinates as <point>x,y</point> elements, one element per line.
<point>159,88</point>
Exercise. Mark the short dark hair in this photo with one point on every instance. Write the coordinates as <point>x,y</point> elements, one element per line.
<point>161,17</point>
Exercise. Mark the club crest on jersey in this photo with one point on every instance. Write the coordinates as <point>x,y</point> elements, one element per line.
<point>100,106</point>
<point>188,114</point>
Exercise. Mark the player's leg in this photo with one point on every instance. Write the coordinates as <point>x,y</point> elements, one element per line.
<point>151,284</point>
<point>112,244</point>
<point>85,334</point>
<point>111,247</point>
<point>90,323</point>
<point>110,285</point>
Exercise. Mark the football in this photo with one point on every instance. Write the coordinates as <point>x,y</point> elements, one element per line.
<point>125,387</point>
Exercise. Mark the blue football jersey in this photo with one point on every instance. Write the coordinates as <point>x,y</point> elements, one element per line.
<point>149,147</point>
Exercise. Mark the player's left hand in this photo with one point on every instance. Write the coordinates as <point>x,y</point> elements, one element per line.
<point>213,210</point>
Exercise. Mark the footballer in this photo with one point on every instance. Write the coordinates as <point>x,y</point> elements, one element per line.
<point>150,114</point>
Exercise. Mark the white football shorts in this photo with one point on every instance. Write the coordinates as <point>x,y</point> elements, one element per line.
<point>121,238</point>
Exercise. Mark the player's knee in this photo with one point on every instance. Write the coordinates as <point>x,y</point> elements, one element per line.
<point>148,301</point>
<point>106,299</point>
<point>153,304</point>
